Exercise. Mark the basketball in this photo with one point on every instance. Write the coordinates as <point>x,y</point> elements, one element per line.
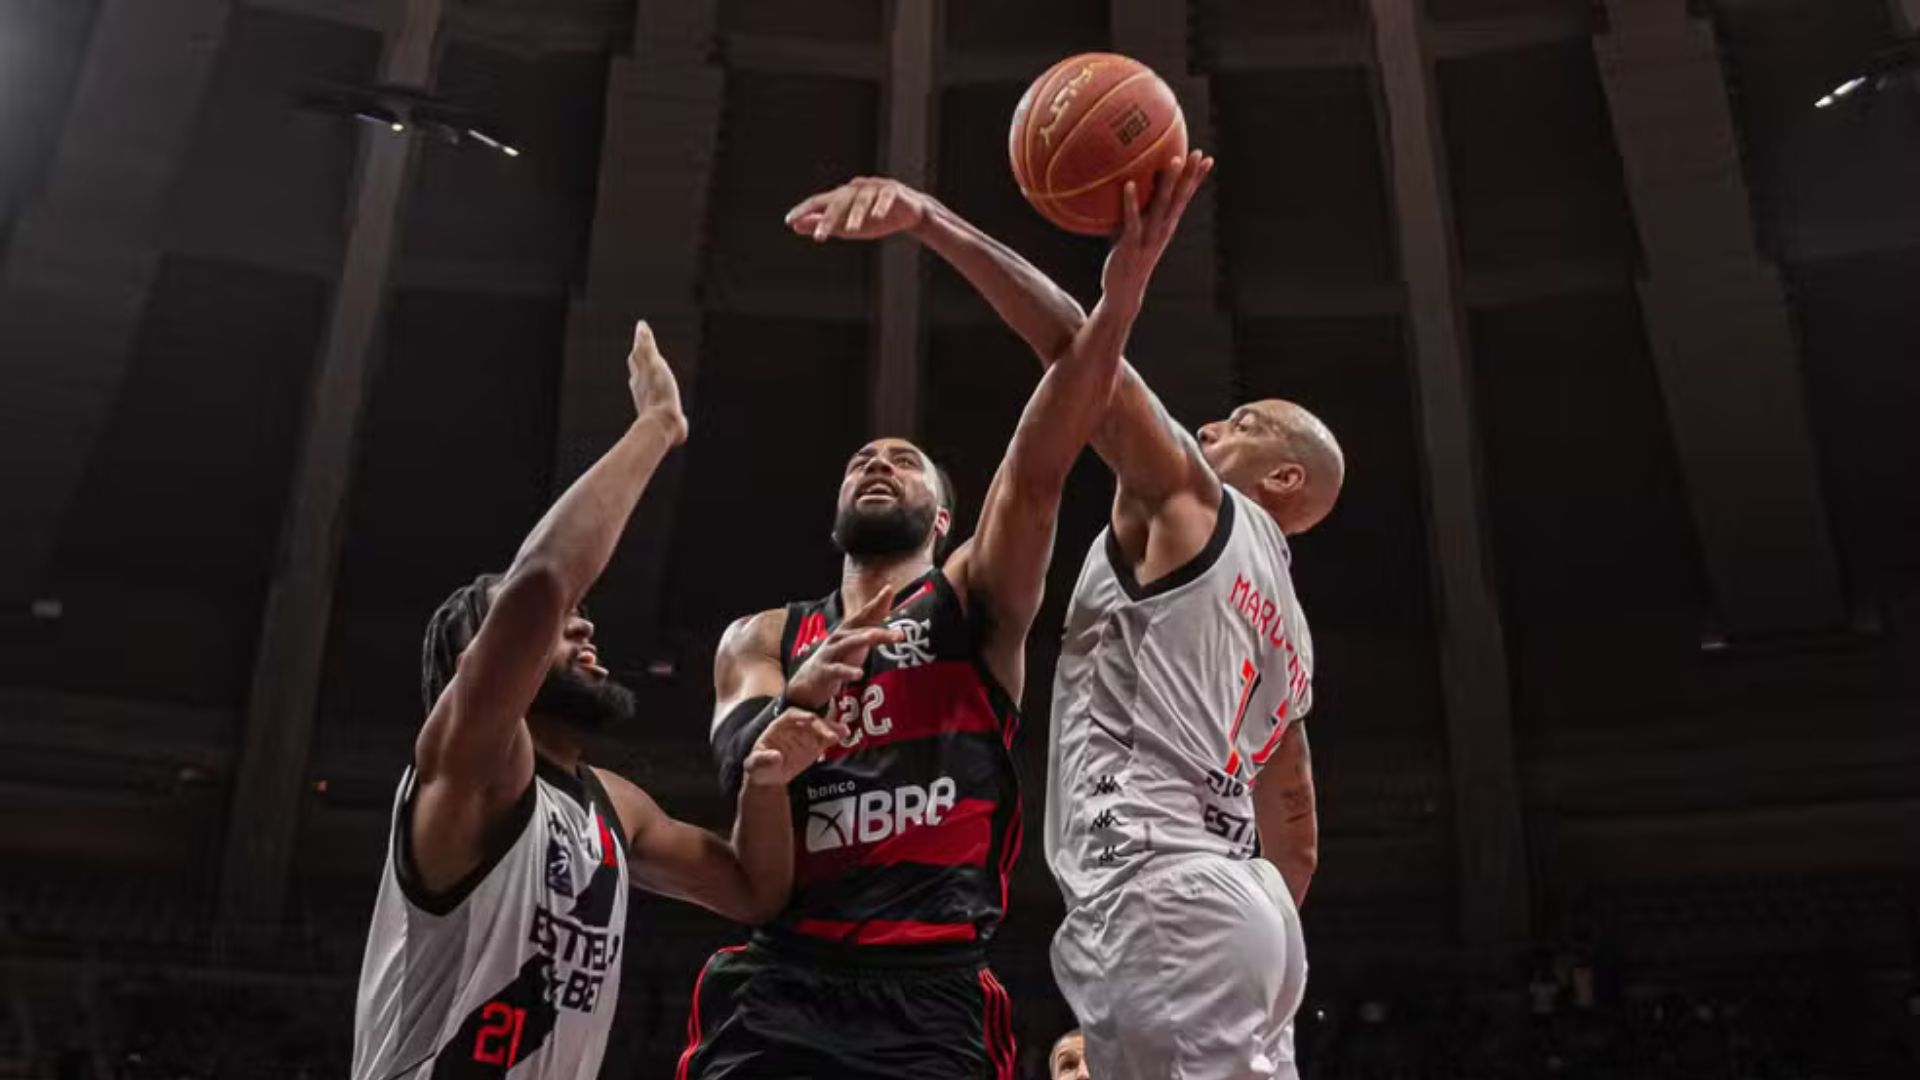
<point>1088,125</point>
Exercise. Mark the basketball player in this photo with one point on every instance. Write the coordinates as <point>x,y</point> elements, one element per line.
<point>497,932</point>
<point>1185,665</point>
<point>876,968</point>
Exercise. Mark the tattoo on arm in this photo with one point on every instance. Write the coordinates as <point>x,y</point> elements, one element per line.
<point>1299,803</point>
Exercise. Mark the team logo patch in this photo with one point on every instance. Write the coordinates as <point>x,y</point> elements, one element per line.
<point>873,816</point>
<point>915,647</point>
<point>830,824</point>
<point>559,858</point>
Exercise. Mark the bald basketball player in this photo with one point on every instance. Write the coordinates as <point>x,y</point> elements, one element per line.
<point>877,967</point>
<point>1185,670</point>
<point>496,937</point>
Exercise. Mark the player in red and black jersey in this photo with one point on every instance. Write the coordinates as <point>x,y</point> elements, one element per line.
<point>907,829</point>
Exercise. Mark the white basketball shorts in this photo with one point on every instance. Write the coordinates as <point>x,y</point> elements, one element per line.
<point>1191,969</point>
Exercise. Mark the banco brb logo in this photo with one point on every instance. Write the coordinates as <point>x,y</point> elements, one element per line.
<point>873,816</point>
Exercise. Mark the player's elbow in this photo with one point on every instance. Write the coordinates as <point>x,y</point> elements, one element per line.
<point>1050,345</point>
<point>758,906</point>
<point>534,582</point>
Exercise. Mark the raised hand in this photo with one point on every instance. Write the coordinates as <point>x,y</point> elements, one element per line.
<point>656,393</point>
<point>864,208</point>
<point>842,658</point>
<point>1143,239</point>
<point>793,742</point>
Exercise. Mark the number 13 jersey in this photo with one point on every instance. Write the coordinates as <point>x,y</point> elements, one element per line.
<point>1168,699</point>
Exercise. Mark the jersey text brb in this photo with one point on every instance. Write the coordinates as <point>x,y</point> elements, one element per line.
<point>873,816</point>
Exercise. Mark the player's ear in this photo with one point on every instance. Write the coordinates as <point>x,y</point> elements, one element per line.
<point>1287,479</point>
<point>942,524</point>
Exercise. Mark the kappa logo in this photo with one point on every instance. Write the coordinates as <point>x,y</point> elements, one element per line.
<point>915,647</point>
<point>873,816</point>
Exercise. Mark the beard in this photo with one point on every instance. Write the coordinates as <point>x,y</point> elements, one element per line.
<point>588,704</point>
<point>870,534</point>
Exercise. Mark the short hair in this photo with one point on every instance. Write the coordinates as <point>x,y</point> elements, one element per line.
<point>1070,1033</point>
<point>449,631</point>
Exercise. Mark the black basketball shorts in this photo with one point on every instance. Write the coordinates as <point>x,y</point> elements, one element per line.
<point>763,1011</point>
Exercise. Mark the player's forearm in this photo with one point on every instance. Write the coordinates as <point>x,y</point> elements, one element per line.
<point>763,842</point>
<point>1295,852</point>
<point>1068,406</point>
<point>1028,301</point>
<point>1286,811</point>
<point>578,535</point>
<point>1092,364</point>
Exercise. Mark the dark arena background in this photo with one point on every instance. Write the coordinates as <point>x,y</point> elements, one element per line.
<point>309,307</point>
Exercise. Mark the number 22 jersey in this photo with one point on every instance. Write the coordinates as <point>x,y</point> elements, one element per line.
<point>1168,699</point>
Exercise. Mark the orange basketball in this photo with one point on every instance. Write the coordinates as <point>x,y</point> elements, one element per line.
<point>1085,128</point>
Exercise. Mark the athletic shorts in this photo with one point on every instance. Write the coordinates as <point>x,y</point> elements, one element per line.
<point>1191,969</point>
<point>764,1011</point>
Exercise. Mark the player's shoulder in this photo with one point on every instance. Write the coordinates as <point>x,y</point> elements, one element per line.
<point>631,805</point>
<point>757,634</point>
<point>1251,520</point>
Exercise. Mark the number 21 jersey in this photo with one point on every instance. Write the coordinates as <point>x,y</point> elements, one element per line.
<point>1168,699</point>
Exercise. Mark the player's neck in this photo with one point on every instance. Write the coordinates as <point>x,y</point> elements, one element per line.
<point>555,742</point>
<point>860,577</point>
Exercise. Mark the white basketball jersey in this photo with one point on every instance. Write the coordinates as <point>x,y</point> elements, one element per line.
<point>517,971</point>
<point>1168,699</point>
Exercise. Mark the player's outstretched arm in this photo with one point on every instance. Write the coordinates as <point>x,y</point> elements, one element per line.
<point>748,879</point>
<point>1284,812</point>
<point>1153,457</point>
<point>1003,569</point>
<point>473,756</point>
<point>869,207</point>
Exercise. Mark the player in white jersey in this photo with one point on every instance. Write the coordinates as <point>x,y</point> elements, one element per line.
<point>1176,748</point>
<point>501,915</point>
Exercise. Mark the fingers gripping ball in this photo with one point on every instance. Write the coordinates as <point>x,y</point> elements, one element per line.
<point>1085,128</point>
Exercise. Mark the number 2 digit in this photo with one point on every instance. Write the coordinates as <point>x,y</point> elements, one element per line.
<point>500,1024</point>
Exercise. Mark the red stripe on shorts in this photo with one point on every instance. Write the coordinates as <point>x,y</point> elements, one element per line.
<point>693,1013</point>
<point>884,932</point>
<point>999,1025</point>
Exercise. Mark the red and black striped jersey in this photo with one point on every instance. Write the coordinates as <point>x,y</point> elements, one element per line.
<point>905,832</point>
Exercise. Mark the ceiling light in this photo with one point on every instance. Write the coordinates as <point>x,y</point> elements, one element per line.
<point>1841,91</point>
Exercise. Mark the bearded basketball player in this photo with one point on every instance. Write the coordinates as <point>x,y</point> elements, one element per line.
<point>1186,668</point>
<point>909,827</point>
<point>497,931</point>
